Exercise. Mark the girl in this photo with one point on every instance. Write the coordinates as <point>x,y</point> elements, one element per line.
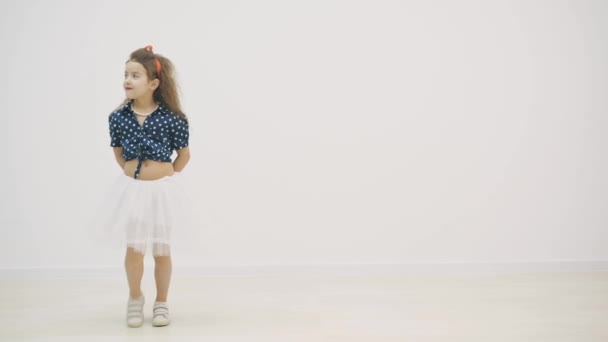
<point>148,199</point>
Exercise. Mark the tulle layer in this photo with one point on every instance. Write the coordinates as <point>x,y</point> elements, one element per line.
<point>144,213</point>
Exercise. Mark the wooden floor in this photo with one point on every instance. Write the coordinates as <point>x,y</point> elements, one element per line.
<point>551,307</point>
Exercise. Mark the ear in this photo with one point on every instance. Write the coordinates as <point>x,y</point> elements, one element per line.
<point>154,83</point>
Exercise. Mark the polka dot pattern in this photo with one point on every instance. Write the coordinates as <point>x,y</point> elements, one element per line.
<point>161,133</point>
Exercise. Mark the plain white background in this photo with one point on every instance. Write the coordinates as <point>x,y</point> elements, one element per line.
<point>322,132</point>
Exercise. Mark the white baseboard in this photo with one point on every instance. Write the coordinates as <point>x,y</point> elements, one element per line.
<point>330,269</point>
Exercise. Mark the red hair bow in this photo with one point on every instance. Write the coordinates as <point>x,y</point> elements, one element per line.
<point>158,67</point>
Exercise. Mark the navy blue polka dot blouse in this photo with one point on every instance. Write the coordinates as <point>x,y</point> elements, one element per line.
<point>161,133</point>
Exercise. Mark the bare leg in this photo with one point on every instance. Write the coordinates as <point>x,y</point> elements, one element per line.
<point>162,274</point>
<point>134,266</point>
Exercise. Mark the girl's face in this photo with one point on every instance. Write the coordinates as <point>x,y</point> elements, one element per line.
<point>136,81</point>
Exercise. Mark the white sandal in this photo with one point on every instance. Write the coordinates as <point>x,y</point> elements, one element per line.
<point>135,312</point>
<point>160,314</point>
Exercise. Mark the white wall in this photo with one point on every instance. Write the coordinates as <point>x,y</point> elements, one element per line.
<point>322,131</point>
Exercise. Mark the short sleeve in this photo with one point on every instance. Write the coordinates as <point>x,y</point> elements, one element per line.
<point>180,134</point>
<point>114,131</point>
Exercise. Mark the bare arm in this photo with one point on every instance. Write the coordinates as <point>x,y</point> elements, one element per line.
<point>183,156</point>
<point>118,155</point>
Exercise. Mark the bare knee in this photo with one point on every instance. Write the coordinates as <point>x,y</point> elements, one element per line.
<point>133,257</point>
<point>162,259</point>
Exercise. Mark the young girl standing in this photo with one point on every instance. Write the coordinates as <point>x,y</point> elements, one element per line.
<point>148,204</point>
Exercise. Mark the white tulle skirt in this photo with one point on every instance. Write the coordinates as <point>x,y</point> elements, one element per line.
<point>144,214</point>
